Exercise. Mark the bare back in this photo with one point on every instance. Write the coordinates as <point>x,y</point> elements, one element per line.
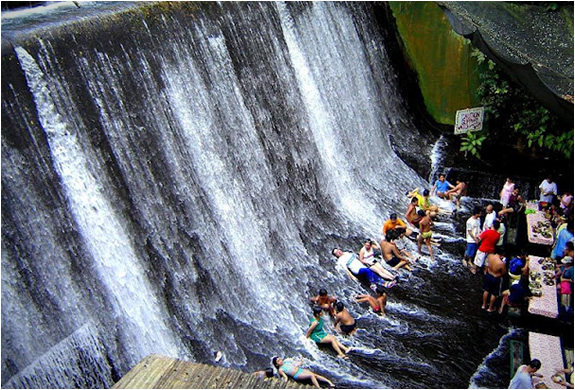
<point>495,266</point>
<point>425,224</point>
<point>387,250</point>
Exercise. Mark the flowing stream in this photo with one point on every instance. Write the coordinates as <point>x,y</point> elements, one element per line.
<point>174,178</point>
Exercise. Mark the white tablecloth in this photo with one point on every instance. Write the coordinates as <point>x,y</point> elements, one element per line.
<point>548,350</point>
<point>545,305</point>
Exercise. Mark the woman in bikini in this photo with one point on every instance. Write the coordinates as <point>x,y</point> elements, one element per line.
<point>288,368</point>
<point>377,304</point>
<point>318,334</point>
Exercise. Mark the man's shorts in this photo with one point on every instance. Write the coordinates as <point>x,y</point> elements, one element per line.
<point>393,261</point>
<point>480,258</point>
<point>492,285</point>
<point>471,250</point>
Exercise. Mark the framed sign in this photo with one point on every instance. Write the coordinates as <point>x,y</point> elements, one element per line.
<point>470,119</point>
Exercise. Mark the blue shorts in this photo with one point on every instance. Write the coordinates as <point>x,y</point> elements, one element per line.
<point>471,249</point>
<point>369,275</point>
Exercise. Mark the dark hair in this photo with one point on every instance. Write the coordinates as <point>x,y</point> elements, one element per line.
<point>425,192</point>
<point>421,213</point>
<point>496,224</point>
<point>339,306</point>
<point>477,210</point>
<point>535,363</point>
<point>269,372</point>
<point>367,240</point>
<point>414,199</point>
<point>569,245</point>
<point>322,292</point>
<point>275,361</point>
<point>391,235</point>
<point>333,250</point>
<point>317,310</point>
<point>442,174</point>
<point>393,216</point>
<point>380,290</point>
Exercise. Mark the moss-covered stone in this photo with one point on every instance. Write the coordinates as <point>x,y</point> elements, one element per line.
<point>447,74</point>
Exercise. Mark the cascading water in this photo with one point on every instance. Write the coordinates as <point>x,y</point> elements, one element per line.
<point>174,181</point>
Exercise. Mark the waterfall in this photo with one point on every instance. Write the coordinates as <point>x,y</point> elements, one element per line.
<point>175,177</point>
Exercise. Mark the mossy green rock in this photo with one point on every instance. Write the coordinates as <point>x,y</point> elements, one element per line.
<point>447,74</point>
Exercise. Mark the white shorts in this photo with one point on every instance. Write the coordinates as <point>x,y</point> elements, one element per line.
<point>480,258</point>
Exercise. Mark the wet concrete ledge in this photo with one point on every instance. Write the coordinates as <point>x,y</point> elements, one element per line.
<point>160,372</point>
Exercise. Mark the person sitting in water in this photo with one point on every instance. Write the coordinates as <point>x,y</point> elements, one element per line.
<point>395,224</point>
<point>377,304</point>
<point>344,322</point>
<point>265,374</point>
<point>326,302</point>
<point>441,187</point>
<point>288,368</point>
<point>424,204</point>
<point>367,257</point>
<point>356,270</point>
<point>391,254</point>
<point>425,233</point>
<point>411,213</point>
<point>457,192</point>
<point>319,335</point>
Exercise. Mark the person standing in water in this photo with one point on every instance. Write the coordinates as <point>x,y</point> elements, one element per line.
<point>319,335</point>
<point>425,233</point>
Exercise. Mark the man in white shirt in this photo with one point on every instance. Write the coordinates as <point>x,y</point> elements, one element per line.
<point>472,230</point>
<point>548,190</point>
<point>490,216</point>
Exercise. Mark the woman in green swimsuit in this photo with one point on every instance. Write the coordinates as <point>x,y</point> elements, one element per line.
<point>289,368</point>
<point>317,334</point>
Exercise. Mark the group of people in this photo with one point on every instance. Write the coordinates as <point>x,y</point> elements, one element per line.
<point>505,273</point>
<point>506,270</point>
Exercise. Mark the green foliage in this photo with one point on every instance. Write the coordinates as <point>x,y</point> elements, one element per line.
<point>471,142</point>
<point>510,110</point>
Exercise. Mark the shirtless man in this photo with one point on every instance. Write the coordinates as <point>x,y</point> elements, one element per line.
<point>391,254</point>
<point>377,304</point>
<point>411,213</point>
<point>492,280</point>
<point>344,322</point>
<point>457,192</point>
<point>325,301</point>
<point>425,233</point>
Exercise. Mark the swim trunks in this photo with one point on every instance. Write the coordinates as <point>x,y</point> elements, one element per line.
<point>377,309</point>
<point>347,329</point>
<point>426,235</point>
<point>393,261</point>
<point>492,284</point>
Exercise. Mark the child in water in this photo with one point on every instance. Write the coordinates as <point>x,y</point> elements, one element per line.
<point>325,301</point>
<point>344,322</point>
<point>377,304</point>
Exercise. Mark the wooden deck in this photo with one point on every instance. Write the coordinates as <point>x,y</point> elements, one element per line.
<point>159,372</point>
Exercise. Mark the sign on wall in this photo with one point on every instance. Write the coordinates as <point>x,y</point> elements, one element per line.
<point>470,119</point>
